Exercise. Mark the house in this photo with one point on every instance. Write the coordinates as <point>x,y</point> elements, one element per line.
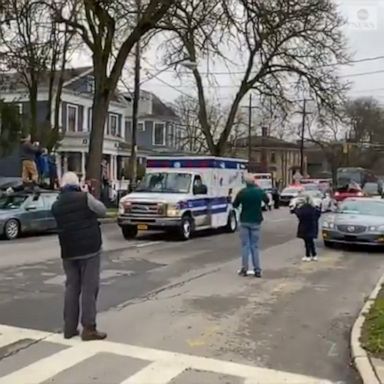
<point>159,128</point>
<point>157,123</point>
<point>270,154</point>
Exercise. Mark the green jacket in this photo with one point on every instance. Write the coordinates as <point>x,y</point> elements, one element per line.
<point>250,199</point>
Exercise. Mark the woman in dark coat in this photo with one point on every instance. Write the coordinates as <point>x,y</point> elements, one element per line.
<point>308,227</point>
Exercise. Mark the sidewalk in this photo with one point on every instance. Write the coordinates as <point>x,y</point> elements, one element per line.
<point>367,338</point>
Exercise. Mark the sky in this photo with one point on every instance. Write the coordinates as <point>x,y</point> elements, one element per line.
<point>364,30</point>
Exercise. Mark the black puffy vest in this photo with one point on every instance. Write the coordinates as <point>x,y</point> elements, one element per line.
<point>79,230</point>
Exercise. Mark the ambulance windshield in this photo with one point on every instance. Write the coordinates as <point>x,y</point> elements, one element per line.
<point>164,182</point>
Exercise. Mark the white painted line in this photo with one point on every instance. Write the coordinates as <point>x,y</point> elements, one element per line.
<point>44,369</point>
<point>8,340</point>
<point>148,244</point>
<point>175,362</point>
<point>156,373</point>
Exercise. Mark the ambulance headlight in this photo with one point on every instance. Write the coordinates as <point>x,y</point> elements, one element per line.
<point>173,210</point>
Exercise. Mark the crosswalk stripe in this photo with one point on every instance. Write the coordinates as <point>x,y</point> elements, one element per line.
<point>170,363</point>
<point>159,372</point>
<point>44,369</point>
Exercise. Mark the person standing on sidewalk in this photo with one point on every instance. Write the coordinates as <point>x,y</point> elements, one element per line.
<point>250,200</point>
<point>76,213</point>
<point>308,228</point>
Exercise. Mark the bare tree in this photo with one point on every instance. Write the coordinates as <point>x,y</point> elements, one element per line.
<point>283,43</point>
<point>110,29</point>
<point>36,48</point>
<point>187,109</point>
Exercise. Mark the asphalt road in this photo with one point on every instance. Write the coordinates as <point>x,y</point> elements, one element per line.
<point>185,298</point>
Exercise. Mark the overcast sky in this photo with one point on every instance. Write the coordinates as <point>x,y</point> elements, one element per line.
<point>364,30</point>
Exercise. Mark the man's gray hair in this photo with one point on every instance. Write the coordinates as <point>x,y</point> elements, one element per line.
<point>69,178</point>
<point>249,179</point>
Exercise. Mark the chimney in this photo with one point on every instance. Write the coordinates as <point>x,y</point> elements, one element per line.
<point>264,131</point>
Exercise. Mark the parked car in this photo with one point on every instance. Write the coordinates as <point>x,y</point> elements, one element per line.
<point>358,221</point>
<point>23,212</point>
<point>372,189</point>
<point>289,193</point>
<point>347,191</point>
<point>321,200</point>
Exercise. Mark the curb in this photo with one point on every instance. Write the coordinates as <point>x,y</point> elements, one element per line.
<point>360,357</point>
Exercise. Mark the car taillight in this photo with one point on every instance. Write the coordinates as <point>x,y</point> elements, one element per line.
<point>360,194</point>
<point>337,194</point>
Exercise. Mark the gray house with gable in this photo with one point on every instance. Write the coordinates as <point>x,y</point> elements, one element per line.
<point>157,132</point>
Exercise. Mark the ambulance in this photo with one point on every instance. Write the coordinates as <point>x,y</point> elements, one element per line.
<point>182,195</point>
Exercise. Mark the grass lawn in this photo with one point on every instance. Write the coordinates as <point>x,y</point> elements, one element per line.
<point>372,336</point>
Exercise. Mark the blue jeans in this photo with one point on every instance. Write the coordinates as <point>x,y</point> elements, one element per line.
<point>250,236</point>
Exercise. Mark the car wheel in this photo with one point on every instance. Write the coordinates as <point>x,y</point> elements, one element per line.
<point>328,244</point>
<point>185,229</point>
<point>232,222</point>
<point>12,229</point>
<point>129,232</point>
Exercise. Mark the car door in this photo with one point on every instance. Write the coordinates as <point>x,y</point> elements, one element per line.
<point>203,206</point>
<point>34,216</point>
<point>48,200</point>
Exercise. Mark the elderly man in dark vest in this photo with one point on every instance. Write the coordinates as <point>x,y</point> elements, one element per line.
<point>76,213</point>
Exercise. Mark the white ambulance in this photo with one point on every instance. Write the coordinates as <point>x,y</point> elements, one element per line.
<point>183,195</point>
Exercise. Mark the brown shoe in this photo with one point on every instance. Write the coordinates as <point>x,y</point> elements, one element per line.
<point>90,334</point>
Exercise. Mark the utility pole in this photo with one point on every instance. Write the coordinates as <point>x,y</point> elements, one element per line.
<point>250,107</point>
<point>135,109</point>
<point>304,114</point>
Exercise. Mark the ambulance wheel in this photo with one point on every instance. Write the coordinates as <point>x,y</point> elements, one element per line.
<point>129,232</point>
<point>232,223</point>
<point>186,228</point>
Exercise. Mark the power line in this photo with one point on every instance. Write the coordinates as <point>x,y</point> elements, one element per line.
<point>362,60</point>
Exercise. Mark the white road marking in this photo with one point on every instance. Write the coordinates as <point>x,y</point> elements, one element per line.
<point>104,275</point>
<point>163,365</point>
<point>156,373</point>
<point>149,243</point>
<point>44,369</point>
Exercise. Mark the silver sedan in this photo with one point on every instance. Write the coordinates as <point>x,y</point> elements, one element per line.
<point>358,221</point>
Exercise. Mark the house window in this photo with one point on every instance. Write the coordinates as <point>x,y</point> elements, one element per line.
<point>72,118</point>
<point>20,108</point>
<point>159,134</point>
<point>90,84</point>
<point>113,125</point>
<point>273,157</point>
<point>141,127</point>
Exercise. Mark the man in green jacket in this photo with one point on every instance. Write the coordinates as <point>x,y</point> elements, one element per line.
<point>250,200</point>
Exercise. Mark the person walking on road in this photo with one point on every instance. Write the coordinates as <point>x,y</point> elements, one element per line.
<point>76,213</point>
<point>308,227</point>
<point>250,200</point>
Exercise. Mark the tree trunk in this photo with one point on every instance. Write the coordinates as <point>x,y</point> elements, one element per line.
<point>33,112</point>
<point>95,153</point>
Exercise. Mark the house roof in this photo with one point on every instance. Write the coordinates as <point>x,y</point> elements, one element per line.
<point>266,142</point>
<point>15,79</point>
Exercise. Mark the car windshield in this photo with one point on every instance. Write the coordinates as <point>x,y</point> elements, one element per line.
<point>165,183</point>
<point>291,191</point>
<point>370,208</point>
<point>316,194</point>
<point>311,187</point>
<point>11,202</point>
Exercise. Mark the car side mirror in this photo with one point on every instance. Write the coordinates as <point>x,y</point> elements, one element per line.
<point>31,208</point>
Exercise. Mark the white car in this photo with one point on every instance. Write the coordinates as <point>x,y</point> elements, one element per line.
<point>323,202</point>
<point>268,207</point>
